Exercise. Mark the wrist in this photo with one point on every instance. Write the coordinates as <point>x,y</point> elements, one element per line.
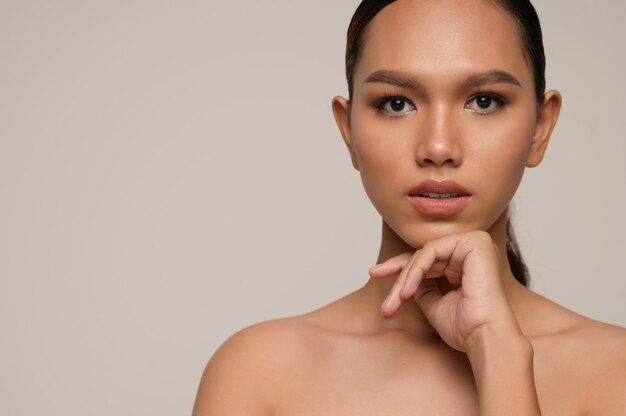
<point>492,341</point>
<point>502,363</point>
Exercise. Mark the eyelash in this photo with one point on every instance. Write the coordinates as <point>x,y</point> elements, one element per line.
<point>497,98</point>
<point>380,104</point>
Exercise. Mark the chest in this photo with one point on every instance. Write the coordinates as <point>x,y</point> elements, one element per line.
<point>389,380</point>
<point>403,380</point>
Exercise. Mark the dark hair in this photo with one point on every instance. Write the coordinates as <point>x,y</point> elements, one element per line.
<point>529,32</point>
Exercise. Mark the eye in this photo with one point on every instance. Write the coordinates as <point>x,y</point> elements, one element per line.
<point>485,103</point>
<point>395,106</point>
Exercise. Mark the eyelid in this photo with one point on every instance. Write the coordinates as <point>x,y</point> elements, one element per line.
<point>389,96</point>
<point>379,105</point>
<point>501,101</point>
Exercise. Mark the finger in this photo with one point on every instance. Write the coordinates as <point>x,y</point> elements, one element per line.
<point>421,268</point>
<point>428,299</point>
<point>438,269</point>
<point>453,275</point>
<point>391,266</point>
<point>420,295</point>
<point>413,280</point>
<point>385,270</point>
<point>448,250</point>
<point>393,301</point>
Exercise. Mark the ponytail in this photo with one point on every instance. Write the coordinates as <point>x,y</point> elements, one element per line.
<point>519,269</point>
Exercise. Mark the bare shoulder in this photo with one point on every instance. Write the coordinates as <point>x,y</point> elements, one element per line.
<point>602,355</point>
<point>251,367</point>
<point>585,360</point>
<point>603,347</point>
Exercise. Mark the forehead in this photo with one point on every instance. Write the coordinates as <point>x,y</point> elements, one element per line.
<point>442,38</point>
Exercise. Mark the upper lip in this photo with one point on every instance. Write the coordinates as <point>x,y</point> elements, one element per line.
<point>446,186</point>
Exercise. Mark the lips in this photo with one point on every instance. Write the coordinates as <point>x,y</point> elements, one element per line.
<point>444,187</point>
<point>439,197</point>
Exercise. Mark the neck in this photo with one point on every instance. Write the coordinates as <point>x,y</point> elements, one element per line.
<point>410,318</point>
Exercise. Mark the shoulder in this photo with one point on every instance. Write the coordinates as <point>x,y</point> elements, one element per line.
<point>251,367</point>
<point>601,348</point>
<point>588,360</point>
<point>603,354</point>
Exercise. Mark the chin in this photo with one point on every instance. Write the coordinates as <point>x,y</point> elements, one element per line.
<point>417,234</point>
<point>415,230</point>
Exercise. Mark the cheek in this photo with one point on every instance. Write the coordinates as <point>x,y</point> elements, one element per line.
<point>494,152</point>
<point>384,158</point>
<point>500,153</point>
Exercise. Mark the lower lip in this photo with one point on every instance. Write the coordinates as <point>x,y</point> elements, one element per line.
<point>431,206</point>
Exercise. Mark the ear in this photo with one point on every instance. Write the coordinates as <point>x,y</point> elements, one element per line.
<point>547,115</point>
<point>341,111</point>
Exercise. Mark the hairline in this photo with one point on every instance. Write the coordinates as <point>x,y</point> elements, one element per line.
<point>360,42</point>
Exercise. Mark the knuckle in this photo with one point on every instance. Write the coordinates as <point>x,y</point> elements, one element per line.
<point>401,257</point>
<point>483,236</point>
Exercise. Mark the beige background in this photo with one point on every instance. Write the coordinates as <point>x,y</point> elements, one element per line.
<point>170,172</point>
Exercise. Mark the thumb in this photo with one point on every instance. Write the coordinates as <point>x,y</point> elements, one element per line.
<point>427,297</point>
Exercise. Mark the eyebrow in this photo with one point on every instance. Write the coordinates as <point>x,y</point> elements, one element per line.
<point>402,80</point>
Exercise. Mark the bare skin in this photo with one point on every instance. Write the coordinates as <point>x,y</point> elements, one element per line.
<point>351,358</point>
<point>346,359</point>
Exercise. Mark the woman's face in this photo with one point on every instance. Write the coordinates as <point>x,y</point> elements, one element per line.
<point>442,91</point>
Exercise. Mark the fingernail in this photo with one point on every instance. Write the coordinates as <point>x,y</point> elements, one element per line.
<point>386,302</point>
<point>376,267</point>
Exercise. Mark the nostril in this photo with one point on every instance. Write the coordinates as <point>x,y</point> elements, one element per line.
<point>431,162</point>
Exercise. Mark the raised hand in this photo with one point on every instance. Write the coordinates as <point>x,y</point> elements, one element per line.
<point>474,308</point>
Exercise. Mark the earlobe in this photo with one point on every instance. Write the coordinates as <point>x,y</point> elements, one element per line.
<point>547,117</point>
<point>341,112</point>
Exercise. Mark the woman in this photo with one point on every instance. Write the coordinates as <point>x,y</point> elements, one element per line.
<point>446,110</point>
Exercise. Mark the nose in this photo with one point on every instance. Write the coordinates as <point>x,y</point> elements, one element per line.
<point>439,143</point>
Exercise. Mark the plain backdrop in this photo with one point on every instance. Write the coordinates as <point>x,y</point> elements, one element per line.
<point>170,172</point>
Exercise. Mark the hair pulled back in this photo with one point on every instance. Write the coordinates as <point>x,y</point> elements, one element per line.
<point>531,38</point>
